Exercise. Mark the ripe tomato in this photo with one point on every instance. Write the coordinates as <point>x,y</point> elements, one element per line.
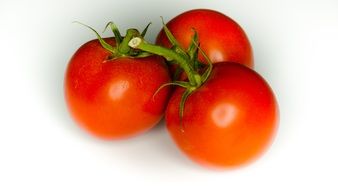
<point>228,121</point>
<point>220,37</point>
<point>113,97</point>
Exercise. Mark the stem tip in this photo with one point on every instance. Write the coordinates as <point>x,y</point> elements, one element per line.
<point>134,42</point>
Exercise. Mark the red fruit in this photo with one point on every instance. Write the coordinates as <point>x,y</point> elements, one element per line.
<point>228,121</point>
<point>220,37</point>
<point>112,97</point>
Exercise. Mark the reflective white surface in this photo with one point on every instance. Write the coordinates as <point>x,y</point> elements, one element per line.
<point>295,48</point>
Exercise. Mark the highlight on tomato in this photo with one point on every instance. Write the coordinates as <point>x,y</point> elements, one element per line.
<point>109,87</point>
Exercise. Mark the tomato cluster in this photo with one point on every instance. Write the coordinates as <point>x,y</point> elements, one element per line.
<point>221,113</point>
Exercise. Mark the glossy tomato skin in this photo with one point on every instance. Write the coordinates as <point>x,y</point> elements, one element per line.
<point>229,121</point>
<point>220,37</point>
<point>113,98</point>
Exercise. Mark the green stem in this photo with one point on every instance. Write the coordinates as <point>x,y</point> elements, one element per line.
<point>124,47</point>
<point>193,76</point>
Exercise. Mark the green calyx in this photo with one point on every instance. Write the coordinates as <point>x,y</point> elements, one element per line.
<point>121,48</point>
<point>187,60</point>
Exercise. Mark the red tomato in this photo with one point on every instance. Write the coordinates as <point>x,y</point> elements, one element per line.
<point>220,37</point>
<point>229,121</point>
<point>113,97</point>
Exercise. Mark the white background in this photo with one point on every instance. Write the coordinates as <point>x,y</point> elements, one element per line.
<point>295,47</point>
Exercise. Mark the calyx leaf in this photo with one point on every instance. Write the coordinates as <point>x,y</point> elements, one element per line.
<point>102,42</point>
